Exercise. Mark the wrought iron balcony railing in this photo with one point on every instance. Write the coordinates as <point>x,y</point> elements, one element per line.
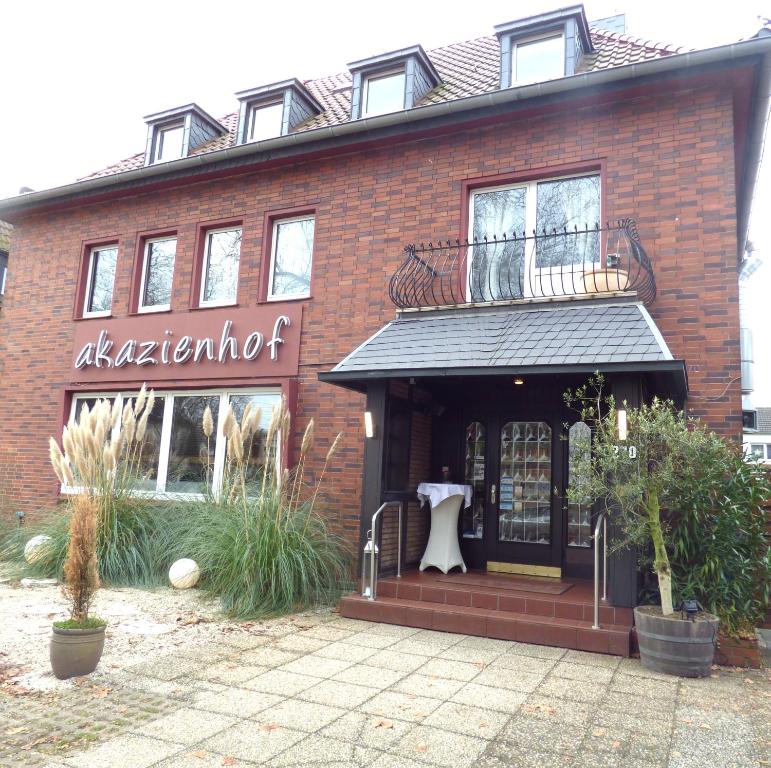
<point>542,265</point>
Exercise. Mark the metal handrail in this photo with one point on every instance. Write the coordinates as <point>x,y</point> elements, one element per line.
<point>375,548</point>
<point>602,519</point>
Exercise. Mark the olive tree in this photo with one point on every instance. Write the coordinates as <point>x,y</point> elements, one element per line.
<point>635,475</point>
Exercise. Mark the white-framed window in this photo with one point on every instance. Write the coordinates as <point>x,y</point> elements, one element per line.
<point>3,273</point>
<point>219,275</point>
<point>157,274</point>
<point>100,279</point>
<point>264,121</point>
<point>383,93</point>
<point>517,268</point>
<point>291,258</point>
<point>169,142</point>
<point>534,60</point>
<point>178,460</point>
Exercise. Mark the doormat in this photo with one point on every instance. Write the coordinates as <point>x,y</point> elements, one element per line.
<point>515,583</point>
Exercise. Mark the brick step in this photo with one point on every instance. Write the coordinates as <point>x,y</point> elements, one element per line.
<point>485,622</point>
<point>513,601</point>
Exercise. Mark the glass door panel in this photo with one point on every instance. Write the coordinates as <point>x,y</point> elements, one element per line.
<point>524,508</point>
<point>476,454</point>
<point>580,506</point>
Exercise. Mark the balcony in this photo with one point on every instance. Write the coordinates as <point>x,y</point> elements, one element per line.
<point>547,265</point>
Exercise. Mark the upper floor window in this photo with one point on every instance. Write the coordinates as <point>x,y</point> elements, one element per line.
<point>750,419</point>
<point>291,258</point>
<point>219,283</point>
<point>99,281</point>
<point>169,142</point>
<point>3,271</point>
<point>157,274</point>
<point>383,93</point>
<point>515,268</point>
<point>533,61</point>
<point>264,121</point>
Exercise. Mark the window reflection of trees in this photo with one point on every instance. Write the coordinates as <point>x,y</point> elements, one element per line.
<point>292,260</point>
<point>568,204</point>
<point>159,272</point>
<point>191,454</point>
<point>221,279</point>
<point>254,456</point>
<point>103,275</point>
<point>496,268</point>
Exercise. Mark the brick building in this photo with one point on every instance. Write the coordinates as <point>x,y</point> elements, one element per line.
<point>254,256</point>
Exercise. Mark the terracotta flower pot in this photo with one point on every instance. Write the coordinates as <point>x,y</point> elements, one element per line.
<point>674,645</point>
<point>75,652</point>
<point>604,280</point>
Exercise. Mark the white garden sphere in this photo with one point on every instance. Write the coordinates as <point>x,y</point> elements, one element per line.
<point>35,547</point>
<point>184,573</point>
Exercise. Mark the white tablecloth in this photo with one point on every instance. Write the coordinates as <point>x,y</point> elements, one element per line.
<point>436,493</point>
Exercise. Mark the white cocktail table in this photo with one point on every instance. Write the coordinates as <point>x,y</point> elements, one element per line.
<point>443,549</point>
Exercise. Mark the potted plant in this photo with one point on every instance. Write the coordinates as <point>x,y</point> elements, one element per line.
<point>637,460</point>
<point>77,643</point>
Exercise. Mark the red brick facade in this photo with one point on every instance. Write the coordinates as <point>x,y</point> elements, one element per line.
<point>667,160</point>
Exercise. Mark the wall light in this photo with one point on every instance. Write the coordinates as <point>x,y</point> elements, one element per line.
<point>369,424</point>
<point>519,381</point>
<point>621,424</point>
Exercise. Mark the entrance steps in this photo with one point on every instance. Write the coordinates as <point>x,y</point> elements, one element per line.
<point>431,600</point>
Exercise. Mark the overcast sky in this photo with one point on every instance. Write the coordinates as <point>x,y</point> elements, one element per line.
<point>80,75</point>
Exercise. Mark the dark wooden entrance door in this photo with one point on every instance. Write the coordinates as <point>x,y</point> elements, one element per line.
<point>514,464</point>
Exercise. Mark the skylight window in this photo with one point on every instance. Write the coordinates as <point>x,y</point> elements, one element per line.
<point>383,93</point>
<point>168,143</point>
<point>265,121</point>
<point>533,61</point>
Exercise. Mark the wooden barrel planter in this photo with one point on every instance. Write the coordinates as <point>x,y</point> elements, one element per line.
<point>674,645</point>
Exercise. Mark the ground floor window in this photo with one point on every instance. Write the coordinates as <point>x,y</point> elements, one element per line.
<point>177,457</point>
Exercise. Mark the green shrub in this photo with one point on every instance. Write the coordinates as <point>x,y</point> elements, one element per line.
<point>720,554</point>
<point>261,544</point>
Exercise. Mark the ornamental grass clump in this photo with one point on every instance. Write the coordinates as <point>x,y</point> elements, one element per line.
<point>261,543</point>
<point>101,457</point>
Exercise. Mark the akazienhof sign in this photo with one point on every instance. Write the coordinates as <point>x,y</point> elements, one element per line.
<point>102,354</point>
<point>207,344</point>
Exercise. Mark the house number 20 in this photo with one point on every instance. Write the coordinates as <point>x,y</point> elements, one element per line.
<point>631,450</point>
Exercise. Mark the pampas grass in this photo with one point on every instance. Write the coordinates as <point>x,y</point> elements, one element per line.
<point>263,548</point>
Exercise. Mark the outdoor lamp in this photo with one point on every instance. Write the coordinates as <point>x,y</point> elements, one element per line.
<point>369,424</point>
<point>369,566</point>
<point>690,607</point>
<point>621,424</point>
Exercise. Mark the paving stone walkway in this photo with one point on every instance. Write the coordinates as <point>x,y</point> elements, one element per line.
<point>341,693</point>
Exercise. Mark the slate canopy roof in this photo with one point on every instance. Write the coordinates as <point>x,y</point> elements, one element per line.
<point>581,336</point>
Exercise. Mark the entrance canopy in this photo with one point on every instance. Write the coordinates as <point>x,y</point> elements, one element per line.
<point>607,335</point>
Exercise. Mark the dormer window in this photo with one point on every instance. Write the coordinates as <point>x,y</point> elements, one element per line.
<point>274,110</point>
<point>176,132</point>
<point>383,93</point>
<point>169,142</point>
<point>265,121</point>
<point>539,59</point>
<point>391,82</point>
<point>544,47</point>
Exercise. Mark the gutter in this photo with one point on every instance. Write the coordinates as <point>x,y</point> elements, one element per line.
<point>297,143</point>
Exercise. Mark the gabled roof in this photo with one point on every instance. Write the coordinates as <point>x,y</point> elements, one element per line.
<point>466,69</point>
